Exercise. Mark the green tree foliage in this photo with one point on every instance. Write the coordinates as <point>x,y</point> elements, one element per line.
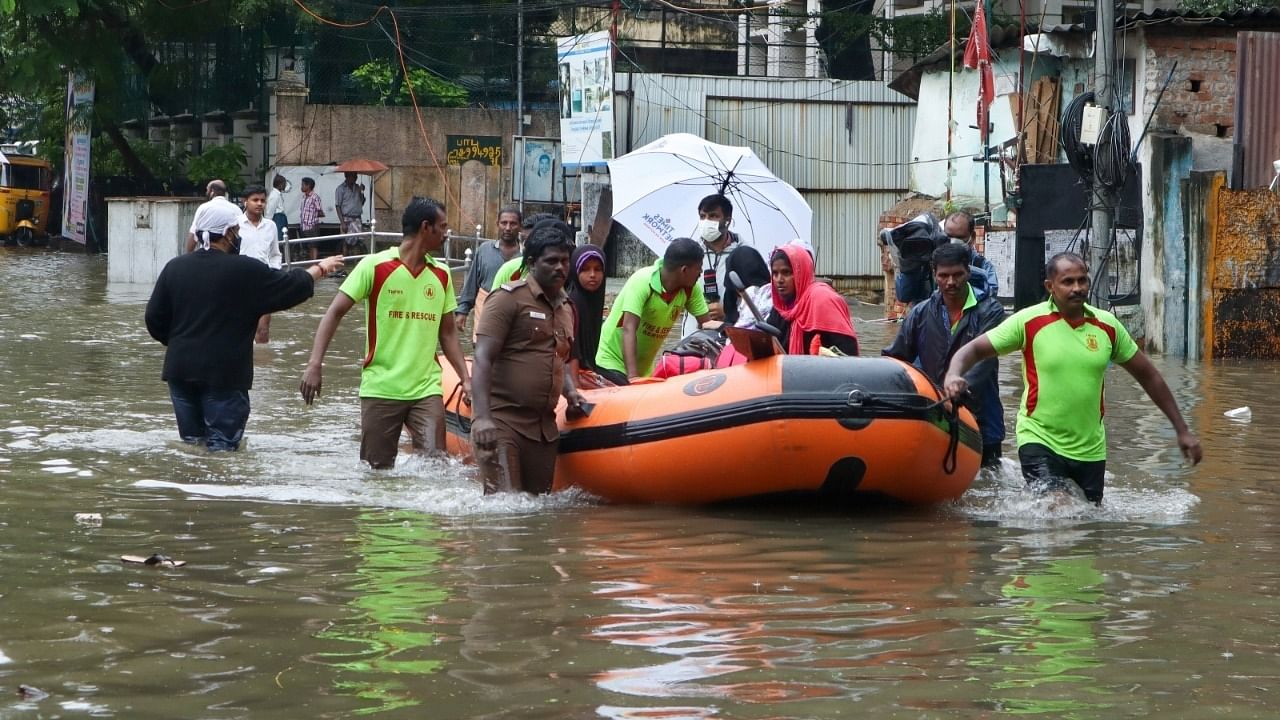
<point>115,42</point>
<point>106,160</point>
<point>386,82</point>
<point>468,43</point>
<point>219,161</point>
<point>910,36</point>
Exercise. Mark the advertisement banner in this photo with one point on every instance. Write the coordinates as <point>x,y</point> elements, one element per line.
<point>586,100</point>
<point>75,180</point>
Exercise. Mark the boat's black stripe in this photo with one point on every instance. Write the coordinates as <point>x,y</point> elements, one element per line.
<point>789,406</point>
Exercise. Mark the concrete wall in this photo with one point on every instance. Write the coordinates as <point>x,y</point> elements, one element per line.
<point>472,193</point>
<point>1164,252</point>
<point>963,178</point>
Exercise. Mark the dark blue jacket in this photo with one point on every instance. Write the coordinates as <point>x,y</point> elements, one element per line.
<point>925,339</point>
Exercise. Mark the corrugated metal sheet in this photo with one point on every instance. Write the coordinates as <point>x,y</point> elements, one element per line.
<point>845,228</point>
<point>834,146</point>
<point>1257,131</point>
<point>843,144</point>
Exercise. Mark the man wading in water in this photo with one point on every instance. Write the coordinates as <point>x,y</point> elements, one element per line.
<point>1066,346</point>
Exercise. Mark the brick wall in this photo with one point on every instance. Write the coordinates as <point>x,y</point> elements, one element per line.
<point>1201,97</point>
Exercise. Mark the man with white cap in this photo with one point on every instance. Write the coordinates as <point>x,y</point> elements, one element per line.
<point>207,213</point>
<point>205,309</point>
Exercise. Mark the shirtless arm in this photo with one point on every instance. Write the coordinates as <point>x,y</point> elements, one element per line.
<point>1140,367</point>
<point>974,352</point>
<point>630,326</point>
<point>312,376</point>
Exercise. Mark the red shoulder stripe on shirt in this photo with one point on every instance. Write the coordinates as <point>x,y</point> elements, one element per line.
<point>441,274</point>
<point>1034,326</point>
<point>381,272</point>
<point>1110,331</point>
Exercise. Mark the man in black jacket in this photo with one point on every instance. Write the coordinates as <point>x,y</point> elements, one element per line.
<point>725,254</point>
<point>205,309</point>
<point>957,312</point>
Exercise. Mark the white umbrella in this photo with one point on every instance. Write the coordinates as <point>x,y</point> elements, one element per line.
<point>656,190</point>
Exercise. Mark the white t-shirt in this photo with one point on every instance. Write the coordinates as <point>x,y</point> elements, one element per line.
<point>275,204</point>
<point>260,241</point>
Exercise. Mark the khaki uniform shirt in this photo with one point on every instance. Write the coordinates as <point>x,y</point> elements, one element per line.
<point>528,375</point>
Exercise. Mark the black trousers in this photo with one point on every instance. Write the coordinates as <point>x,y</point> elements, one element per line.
<point>1044,469</point>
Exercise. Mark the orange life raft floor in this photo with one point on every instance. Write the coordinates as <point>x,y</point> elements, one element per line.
<point>837,428</point>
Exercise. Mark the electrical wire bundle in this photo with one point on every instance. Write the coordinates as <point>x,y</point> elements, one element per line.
<point>1079,155</point>
<point>1112,161</point>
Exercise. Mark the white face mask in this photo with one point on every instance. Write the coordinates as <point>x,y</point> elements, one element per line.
<point>709,230</point>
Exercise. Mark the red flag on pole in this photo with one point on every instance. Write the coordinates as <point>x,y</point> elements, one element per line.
<point>977,55</point>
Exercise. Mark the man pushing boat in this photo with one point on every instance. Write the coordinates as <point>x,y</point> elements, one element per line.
<point>521,369</point>
<point>1066,346</point>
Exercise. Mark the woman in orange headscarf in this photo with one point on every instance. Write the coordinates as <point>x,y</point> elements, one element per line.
<point>811,314</point>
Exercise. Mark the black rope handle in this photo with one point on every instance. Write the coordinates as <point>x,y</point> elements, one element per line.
<point>457,392</point>
<point>953,446</point>
<point>949,460</point>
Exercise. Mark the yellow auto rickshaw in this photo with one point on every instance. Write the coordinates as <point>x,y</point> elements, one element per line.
<point>25,181</point>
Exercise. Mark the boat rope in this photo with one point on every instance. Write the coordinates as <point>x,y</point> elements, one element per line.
<point>953,419</point>
<point>456,393</point>
<point>952,414</point>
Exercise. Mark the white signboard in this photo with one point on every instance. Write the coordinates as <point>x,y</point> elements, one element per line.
<point>79,114</point>
<point>586,99</point>
<point>999,250</point>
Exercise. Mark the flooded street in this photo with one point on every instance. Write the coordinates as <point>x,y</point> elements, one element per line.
<point>318,588</point>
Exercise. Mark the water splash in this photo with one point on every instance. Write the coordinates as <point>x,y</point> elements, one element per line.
<point>431,485</point>
<point>1001,495</point>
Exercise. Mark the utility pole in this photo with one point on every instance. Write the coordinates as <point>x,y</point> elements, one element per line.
<point>519,91</point>
<point>1104,63</point>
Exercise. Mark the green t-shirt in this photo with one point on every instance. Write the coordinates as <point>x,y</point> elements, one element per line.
<point>404,314</point>
<point>1062,373</point>
<point>512,269</point>
<point>644,297</point>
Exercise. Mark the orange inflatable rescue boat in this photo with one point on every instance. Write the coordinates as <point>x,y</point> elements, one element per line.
<point>841,429</point>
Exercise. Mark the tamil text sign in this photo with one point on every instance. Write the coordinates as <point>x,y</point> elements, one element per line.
<point>485,148</point>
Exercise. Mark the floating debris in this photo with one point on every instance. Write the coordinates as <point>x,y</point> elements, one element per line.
<point>28,692</point>
<point>1244,414</point>
<point>155,560</point>
<point>88,518</point>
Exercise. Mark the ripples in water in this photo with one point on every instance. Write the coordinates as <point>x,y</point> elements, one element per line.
<point>315,583</point>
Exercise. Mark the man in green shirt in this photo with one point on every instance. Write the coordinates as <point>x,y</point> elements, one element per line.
<point>1066,346</point>
<point>645,310</point>
<point>409,301</point>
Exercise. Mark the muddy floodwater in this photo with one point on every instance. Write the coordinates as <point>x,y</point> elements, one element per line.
<point>315,588</point>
